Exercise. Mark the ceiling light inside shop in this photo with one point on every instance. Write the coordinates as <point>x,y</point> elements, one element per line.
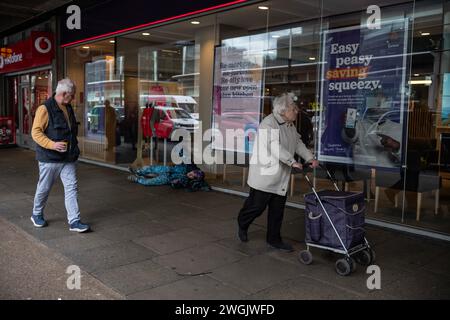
<point>312,58</point>
<point>170,51</point>
<point>263,8</point>
<point>85,47</point>
<point>424,82</point>
<point>112,41</point>
<point>145,33</point>
<point>416,75</point>
<point>195,22</point>
<point>425,33</point>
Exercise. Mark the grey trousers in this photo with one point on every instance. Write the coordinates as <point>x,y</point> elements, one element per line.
<point>48,173</point>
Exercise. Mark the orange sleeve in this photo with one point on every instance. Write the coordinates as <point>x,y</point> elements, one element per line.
<point>40,123</point>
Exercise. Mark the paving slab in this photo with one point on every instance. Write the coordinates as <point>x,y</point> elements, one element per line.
<point>192,288</point>
<point>201,259</point>
<point>77,243</point>
<point>170,242</point>
<point>256,273</point>
<point>134,231</point>
<point>419,286</point>
<point>31,271</point>
<point>136,277</point>
<point>111,256</point>
<point>304,288</point>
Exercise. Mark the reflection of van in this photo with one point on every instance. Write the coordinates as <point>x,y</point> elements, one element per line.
<point>186,103</point>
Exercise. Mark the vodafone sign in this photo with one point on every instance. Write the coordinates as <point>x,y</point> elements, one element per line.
<point>33,52</point>
<point>43,45</point>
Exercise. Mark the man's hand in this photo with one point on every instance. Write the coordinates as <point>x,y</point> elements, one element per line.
<point>297,165</point>
<point>59,146</point>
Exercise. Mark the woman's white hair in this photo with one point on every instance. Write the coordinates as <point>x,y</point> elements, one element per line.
<point>282,102</point>
<point>65,85</point>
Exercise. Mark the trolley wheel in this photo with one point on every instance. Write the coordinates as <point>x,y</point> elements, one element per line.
<point>372,253</point>
<point>305,257</point>
<point>353,264</point>
<point>344,266</point>
<point>365,257</point>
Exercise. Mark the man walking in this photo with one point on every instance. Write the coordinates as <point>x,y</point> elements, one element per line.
<point>269,181</point>
<point>55,133</point>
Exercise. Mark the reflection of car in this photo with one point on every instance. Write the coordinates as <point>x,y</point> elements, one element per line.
<point>245,122</point>
<point>165,119</point>
<point>96,117</point>
<point>237,120</point>
<point>186,103</point>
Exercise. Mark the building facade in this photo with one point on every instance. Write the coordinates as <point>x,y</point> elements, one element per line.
<point>372,83</point>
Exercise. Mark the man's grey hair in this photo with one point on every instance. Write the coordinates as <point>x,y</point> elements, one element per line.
<point>65,85</point>
<point>282,102</point>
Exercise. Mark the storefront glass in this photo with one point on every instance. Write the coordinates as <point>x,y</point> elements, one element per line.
<point>99,103</point>
<point>373,95</point>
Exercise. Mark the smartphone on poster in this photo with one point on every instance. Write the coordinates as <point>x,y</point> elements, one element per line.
<point>350,119</point>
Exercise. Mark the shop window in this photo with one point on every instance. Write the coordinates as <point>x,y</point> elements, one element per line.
<point>190,70</point>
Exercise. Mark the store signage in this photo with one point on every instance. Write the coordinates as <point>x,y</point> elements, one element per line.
<point>108,18</point>
<point>363,95</point>
<point>35,51</point>
<point>237,93</point>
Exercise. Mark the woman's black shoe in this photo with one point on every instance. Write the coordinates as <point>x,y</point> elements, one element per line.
<point>281,246</point>
<point>243,235</point>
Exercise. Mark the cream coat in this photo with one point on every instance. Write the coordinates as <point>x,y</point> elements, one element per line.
<point>271,173</point>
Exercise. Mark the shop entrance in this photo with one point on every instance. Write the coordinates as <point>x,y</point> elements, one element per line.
<point>23,111</point>
<point>31,90</point>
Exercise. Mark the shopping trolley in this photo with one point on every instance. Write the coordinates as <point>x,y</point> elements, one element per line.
<point>334,221</point>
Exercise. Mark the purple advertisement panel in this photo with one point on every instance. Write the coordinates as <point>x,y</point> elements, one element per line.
<point>363,95</point>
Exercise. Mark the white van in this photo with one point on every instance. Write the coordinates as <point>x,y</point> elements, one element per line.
<point>186,103</point>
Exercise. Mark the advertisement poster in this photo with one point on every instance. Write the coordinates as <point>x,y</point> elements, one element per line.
<point>237,92</point>
<point>7,132</point>
<point>363,95</point>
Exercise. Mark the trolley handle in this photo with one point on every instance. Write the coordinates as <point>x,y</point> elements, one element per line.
<point>307,168</point>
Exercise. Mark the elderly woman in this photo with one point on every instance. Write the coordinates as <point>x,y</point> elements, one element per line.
<point>269,176</point>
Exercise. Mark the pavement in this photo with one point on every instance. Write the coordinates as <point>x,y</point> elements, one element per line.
<point>159,243</point>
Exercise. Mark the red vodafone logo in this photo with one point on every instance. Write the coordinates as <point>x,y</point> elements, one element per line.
<point>42,45</point>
